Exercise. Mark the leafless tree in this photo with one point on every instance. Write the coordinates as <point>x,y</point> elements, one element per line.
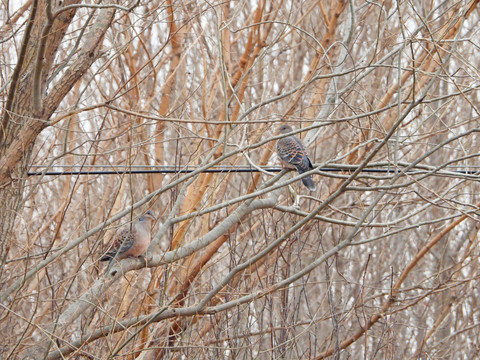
<point>111,108</point>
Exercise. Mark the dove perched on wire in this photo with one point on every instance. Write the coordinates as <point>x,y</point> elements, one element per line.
<point>294,156</point>
<point>131,240</point>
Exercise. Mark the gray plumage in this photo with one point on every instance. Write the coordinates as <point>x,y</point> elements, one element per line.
<point>131,240</point>
<point>294,156</point>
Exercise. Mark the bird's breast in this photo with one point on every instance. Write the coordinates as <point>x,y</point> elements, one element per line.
<point>141,243</point>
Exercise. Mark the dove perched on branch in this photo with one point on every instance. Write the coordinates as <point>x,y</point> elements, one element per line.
<point>294,156</point>
<point>131,240</point>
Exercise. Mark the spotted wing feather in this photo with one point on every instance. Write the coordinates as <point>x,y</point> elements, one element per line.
<point>291,151</point>
<point>123,240</point>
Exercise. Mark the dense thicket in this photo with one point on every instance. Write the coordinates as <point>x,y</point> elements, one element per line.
<point>381,261</point>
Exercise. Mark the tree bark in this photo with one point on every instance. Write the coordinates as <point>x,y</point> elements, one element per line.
<point>21,121</point>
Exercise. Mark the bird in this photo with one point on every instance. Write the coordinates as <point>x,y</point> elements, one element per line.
<point>294,156</point>
<point>131,240</point>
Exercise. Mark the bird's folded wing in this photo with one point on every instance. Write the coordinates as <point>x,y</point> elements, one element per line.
<point>291,150</point>
<point>123,240</point>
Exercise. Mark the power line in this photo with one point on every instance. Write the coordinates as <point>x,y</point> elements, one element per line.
<point>142,169</point>
<point>180,171</point>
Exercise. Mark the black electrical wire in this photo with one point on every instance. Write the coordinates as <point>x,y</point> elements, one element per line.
<point>222,170</point>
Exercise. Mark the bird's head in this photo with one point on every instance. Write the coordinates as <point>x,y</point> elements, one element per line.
<point>148,216</point>
<point>284,129</point>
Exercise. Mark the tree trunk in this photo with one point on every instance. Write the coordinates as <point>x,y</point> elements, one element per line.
<point>29,105</point>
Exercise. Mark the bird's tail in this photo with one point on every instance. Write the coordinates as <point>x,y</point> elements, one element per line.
<point>109,265</point>
<point>106,257</point>
<point>308,182</point>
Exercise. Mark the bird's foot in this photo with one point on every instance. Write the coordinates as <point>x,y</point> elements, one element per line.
<point>295,196</point>
<point>143,258</point>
